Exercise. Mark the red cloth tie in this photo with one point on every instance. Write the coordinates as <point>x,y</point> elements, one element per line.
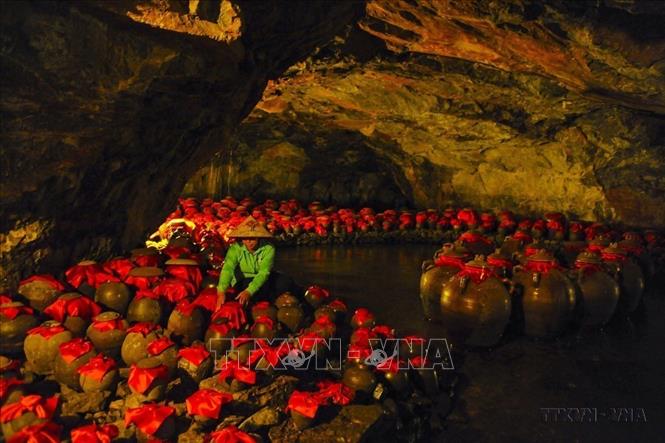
<point>48,432</point>
<point>194,354</point>
<point>149,417</point>
<point>97,367</point>
<point>74,349</point>
<point>94,433</point>
<point>207,403</point>
<point>140,379</point>
<point>38,405</point>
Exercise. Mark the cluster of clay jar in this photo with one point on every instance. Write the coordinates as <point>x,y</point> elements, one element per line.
<point>134,324</point>
<point>542,281</point>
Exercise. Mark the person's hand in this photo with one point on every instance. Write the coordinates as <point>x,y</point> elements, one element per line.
<point>221,297</point>
<point>243,297</point>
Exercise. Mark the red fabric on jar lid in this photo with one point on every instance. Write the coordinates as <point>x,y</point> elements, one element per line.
<point>174,289</point>
<point>42,407</point>
<point>233,312</point>
<point>186,272</point>
<point>74,349</point>
<point>231,434</point>
<point>94,433</point>
<point>207,403</point>
<point>305,403</point>
<point>114,324</point>
<point>159,345</point>
<point>140,379</point>
<point>234,369</point>
<point>11,312</point>
<point>74,307</point>
<point>143,328</point>
<point>97,367</point>
<point>335,392</point>
<point>194,354</point>
<point>149,417</point>
<point>47,432</point>
<point>119,266</point>
<point>47,331</point>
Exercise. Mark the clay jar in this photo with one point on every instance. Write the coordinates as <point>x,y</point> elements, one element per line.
<point>154,389</point>
<point>16,320</point>
<point>628,274</point>
<point>26,419</point>
<point>146,307</point>
<point>98,375</point>
<point>42,344</point>
<point>475,304</point>
<point>113,296</point>
<point>447,262</point>
<point>600,292</point>
<point>187,322</point>
<point>136,342</point>
<point>71,356</point>
<point>548,298</point>
<point>263,327</point>
<point>218,337</point>
<point>315,296</point>
<point>107,332</point>
<point>196,362</point>
<point>264,309</point>
<point>164,350</point>
<point>40,293</point>
<point>289,311</point>
<point>77,320</point>
<point>359,377</point>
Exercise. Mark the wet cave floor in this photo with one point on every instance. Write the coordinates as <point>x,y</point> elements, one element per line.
<point>611,383</point>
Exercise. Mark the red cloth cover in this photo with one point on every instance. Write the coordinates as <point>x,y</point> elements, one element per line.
<point>140,379</point>
<point>47,432</point>
<point>231,434</point>
<point>207,402</point>
<point>175,289</point>
<point>94,433</point>
<point>14,311</point>
<point>97,367</point>
<point>40,406</point>
<point>305,403</point>
<point>194,354</point>
<point>74,349</point>
<point>233,312</point>
<point>75,307</point>
<point>47,331</point>
<point>149,417</point>
<point>159,345</point>
<point>119,266</point>
<point>336,392</point>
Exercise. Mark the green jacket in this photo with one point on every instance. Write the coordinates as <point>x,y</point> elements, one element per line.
<point>240,263</point>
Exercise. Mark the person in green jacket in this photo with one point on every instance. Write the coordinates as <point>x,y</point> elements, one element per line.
<point>248,265</point>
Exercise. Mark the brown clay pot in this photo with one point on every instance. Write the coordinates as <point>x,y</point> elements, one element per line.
<point>359,377</point>
<point>188,326</point>
<point>264,310</point>
<point>41,351</point>
<point>113,296</point>
<point>107,383</point>
<point>599,291</point>
<point>548,298</point>
<point>146,310</point>
<point>108,341</point>
<point>291,316</point>
<point>196,372</point>
<point>134,347</point>
<point>629,276</point>
<point>66,372</point>
<point>475,305</point>
<point>157,389</point>
<point>39,294</point>
<point>76,324</point>
<point>13,331</point>
<point>450,259</point>
<point>218,338</point>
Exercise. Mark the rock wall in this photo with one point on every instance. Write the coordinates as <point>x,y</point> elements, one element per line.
<point>516,105</point>
<point>108,108</point>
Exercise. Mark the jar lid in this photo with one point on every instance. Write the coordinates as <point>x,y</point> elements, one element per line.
<point>589,257</point>
<point>614,248</point>
<point>542,255</point>
<point>182,261</point>
<point>106,316</point>
<point>477,262</point>
<point>87,262</point>
<point>144,251</point>
<point>146,271</point>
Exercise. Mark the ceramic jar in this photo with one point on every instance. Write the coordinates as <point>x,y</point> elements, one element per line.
<point>447,262</point>
<point>42,344</point>
<point>475,304</point>
<point>136,342</point>
<point>113,296</point>
<point>548,298</point>
<point>187,322</point>
<point>98,375</point>
<point>628,274</point>
<point>148,379</point>
<point>16,320</point>
<point>599,291</point>
<point>71,356</point>
<point>107,332</point>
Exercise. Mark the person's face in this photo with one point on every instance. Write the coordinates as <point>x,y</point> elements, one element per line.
<point>250,243</point>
